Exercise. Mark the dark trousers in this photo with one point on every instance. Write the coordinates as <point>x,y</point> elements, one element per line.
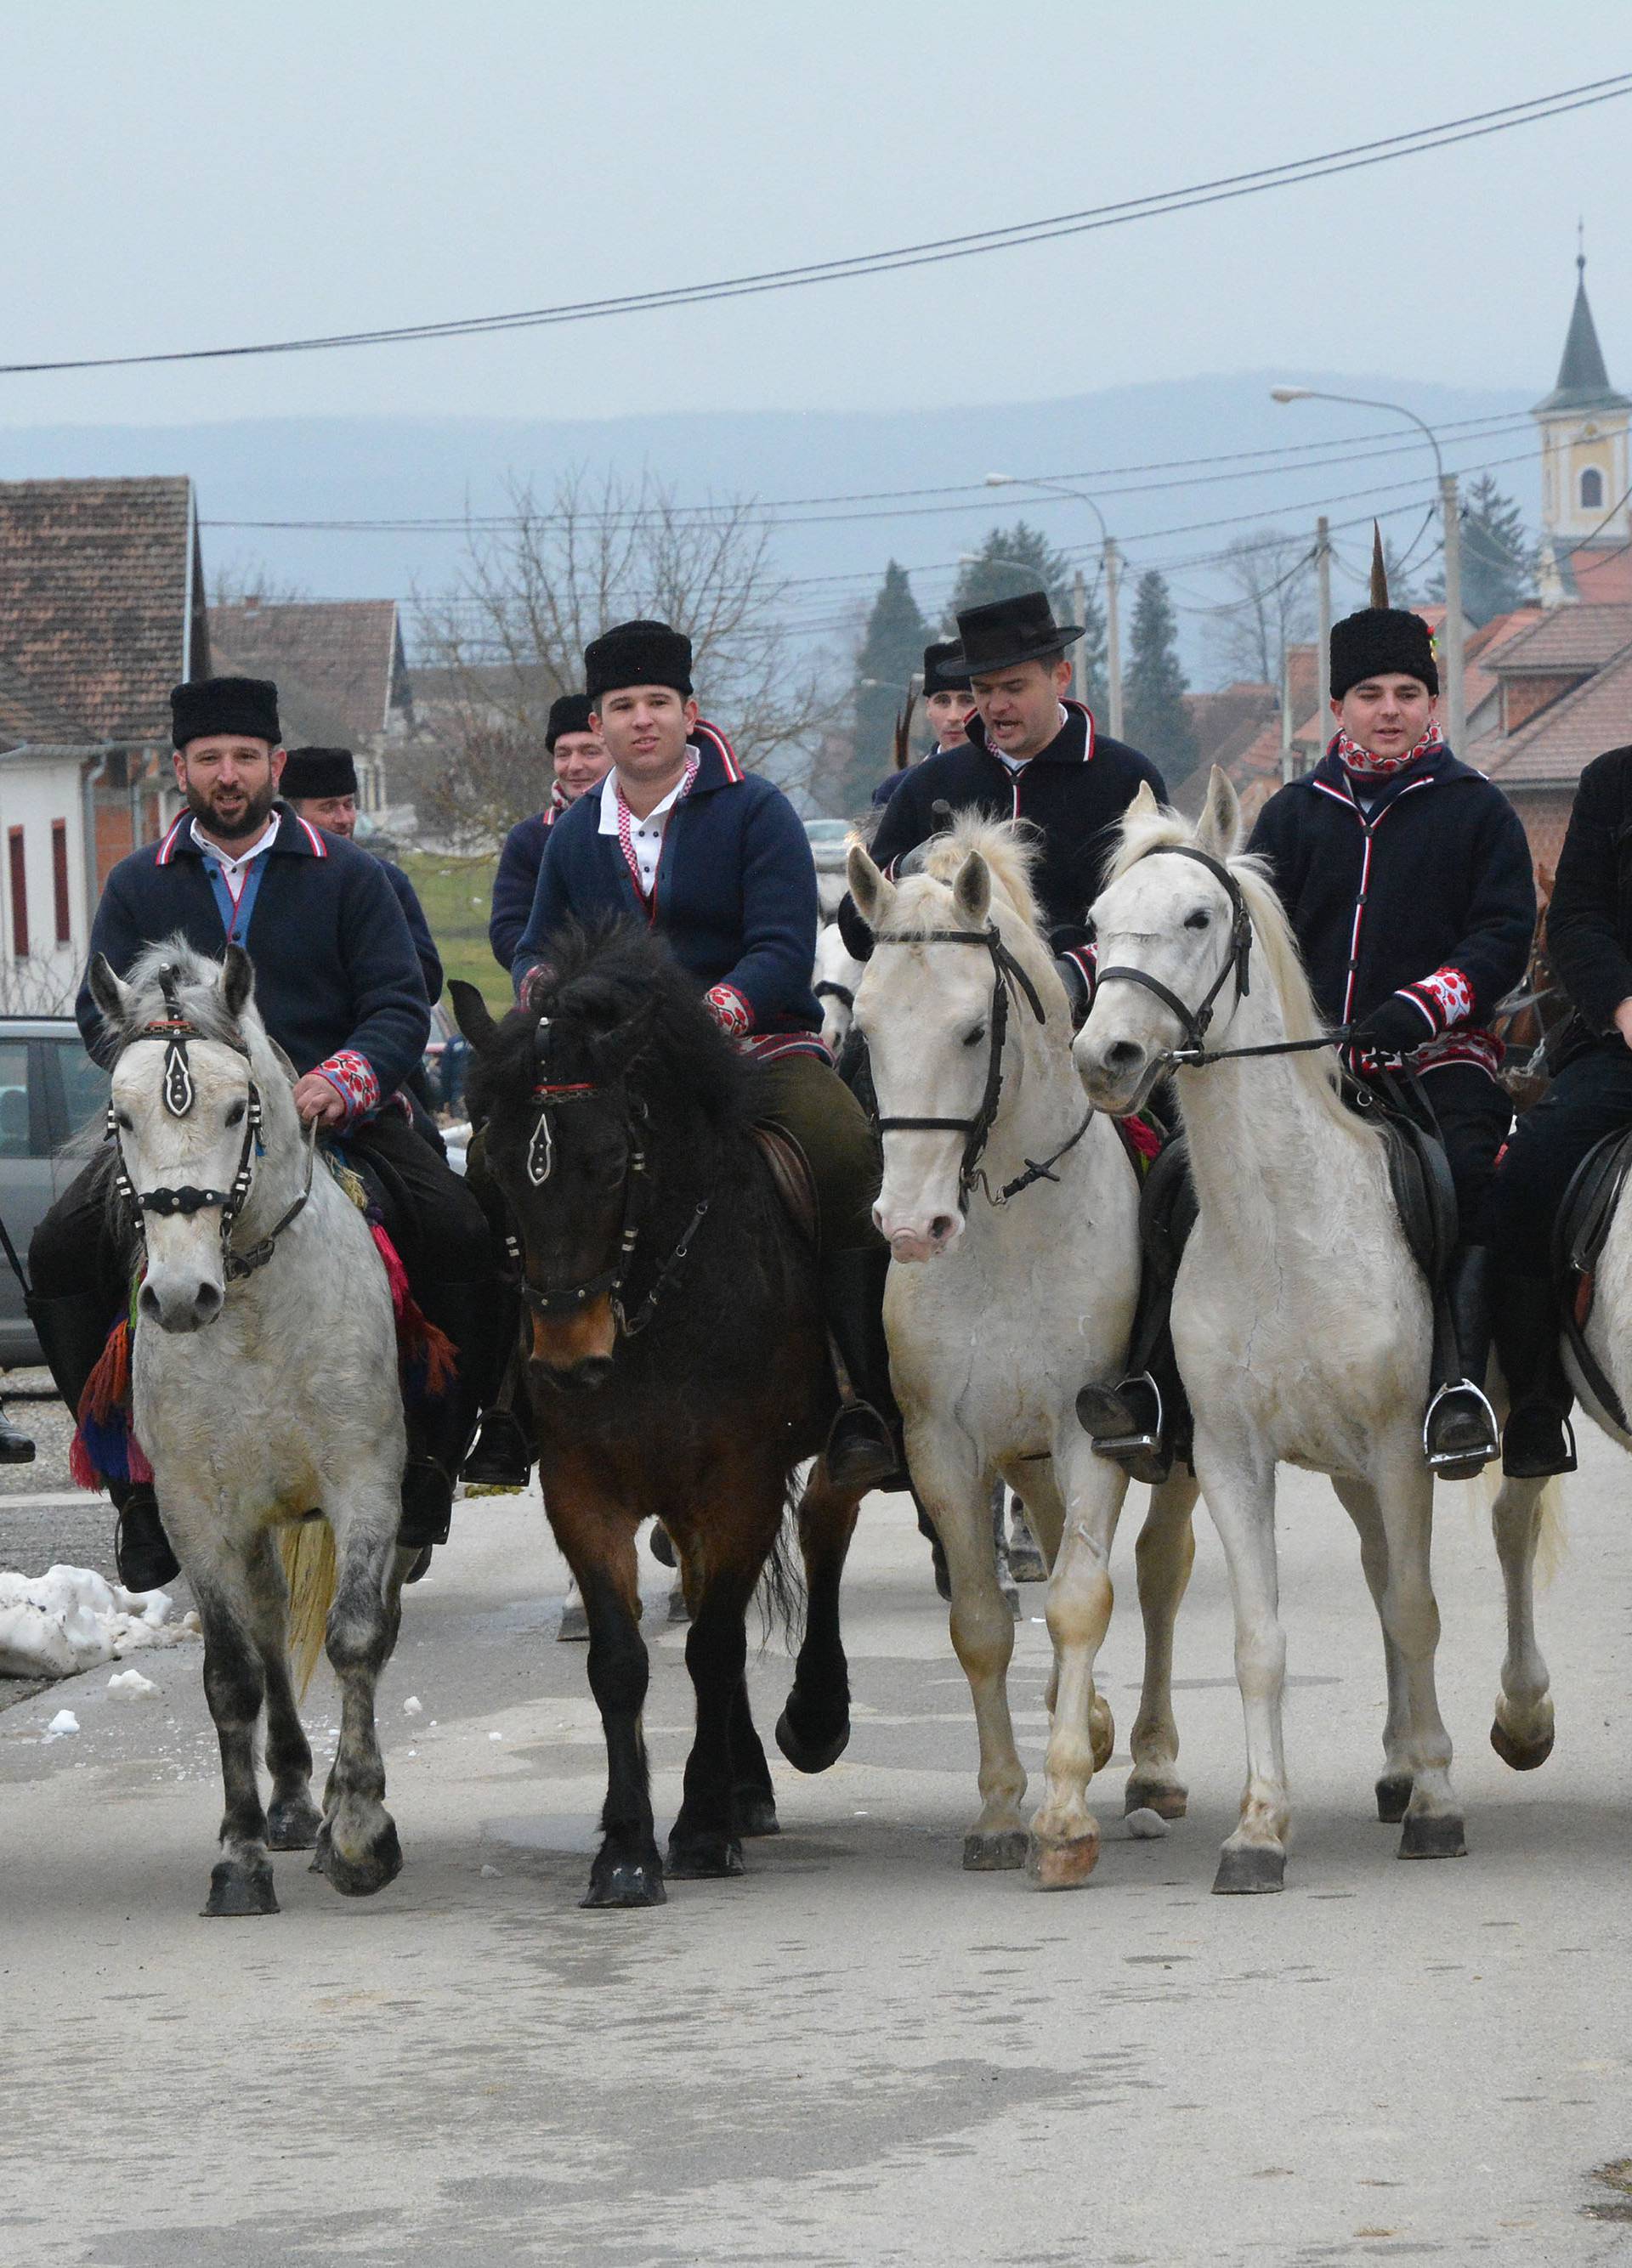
<point>1474,1114</point>
<point>1591,1097</point>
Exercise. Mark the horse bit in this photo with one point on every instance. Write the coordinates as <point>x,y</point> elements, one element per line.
<point>571,1298</point>
<point>1008,977</point>
<point>178,1094</point>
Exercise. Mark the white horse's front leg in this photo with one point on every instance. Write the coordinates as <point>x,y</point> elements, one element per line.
<point>358,1846</point>
<point>956,1493</point>
<point>1522,1735</point>
<point>1064,1845</point>
<point>1394,1790</point>
<point>1165,1555</point>
<point>1433,1826</point>
<point>1242,1500</point>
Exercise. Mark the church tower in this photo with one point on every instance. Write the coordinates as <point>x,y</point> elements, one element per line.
<point>1583,445</point>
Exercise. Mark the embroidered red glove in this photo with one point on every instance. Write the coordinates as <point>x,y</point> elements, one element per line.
<point>729,1010</point>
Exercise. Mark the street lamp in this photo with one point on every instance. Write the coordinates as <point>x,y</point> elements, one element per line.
<point>1455,698</point>
<point>1112,558</point>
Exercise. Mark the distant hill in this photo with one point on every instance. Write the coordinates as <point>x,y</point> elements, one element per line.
<point>395,467</point>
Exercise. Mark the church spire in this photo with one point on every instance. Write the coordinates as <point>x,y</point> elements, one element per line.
<point>1583,380</point>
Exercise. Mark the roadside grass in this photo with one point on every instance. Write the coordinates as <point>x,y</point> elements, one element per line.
<point>457,896</point>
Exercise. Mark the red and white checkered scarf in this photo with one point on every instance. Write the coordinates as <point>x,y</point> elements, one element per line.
<point>1353,758</point>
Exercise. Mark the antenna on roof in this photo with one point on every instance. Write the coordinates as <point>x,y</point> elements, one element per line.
<point>1379,572</point>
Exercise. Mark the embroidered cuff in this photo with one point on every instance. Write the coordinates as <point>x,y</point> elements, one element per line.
<point>1087,959</point>
<point>529,991</point>
<point>730,1009</point>
<point>352,1077</point>
<point>1445,999</point>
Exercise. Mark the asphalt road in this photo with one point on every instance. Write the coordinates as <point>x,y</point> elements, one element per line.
<point>857,2053</point>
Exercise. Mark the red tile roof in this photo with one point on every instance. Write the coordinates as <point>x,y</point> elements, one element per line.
<point>1569,637</point>
<point>1601,577</point>
<point>30,717</point>
<point>1567,734</point>
<point>337,663</point>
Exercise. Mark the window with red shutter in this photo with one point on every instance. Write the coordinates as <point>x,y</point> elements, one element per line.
<point>19,896</point>
<point>59,881</point>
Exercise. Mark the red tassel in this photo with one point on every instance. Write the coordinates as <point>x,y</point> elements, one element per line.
<point>417,1337</point>
<point>1143,1137</point>
<point>396,1275</point>
<point>81,1471</point>
<point>107,1389</point>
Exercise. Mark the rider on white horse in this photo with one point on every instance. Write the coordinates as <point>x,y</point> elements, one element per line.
<point>340,990</point>
<point>1407,878</point>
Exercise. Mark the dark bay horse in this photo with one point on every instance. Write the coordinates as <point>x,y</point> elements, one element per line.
<point>677,1366</point>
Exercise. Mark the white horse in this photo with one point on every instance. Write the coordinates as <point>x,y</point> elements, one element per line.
<point>837,973</point>
<point>292,1403</point>
<point>1026,1297</point>
<point>1301,1322</point>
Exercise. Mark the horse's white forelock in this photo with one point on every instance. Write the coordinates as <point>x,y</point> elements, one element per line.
<point>199,987</point>
<point>1010,851</point>
<point>1144,831</point>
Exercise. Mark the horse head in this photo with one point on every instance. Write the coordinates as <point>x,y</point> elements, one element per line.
<point>183,1112</point>
<point>836,974</point>
<point>935,1013</point>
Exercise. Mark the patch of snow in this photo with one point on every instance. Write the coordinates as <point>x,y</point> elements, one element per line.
<point>130,1685</point>
<point>495,1736</point>
<point>68,1619</point>
<point>492,1873</point>
<point>1146,1826</point>
<point>413,1706</point>
<point>64,1721</point>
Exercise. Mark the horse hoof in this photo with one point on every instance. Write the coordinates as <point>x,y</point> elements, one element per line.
<point>809,1755</point>
<point>294,1825</point>
<point>1061,1865</point>
<point>237,1890</point>
<point>380,1862</point>
<point>678,1610</point>
<point>574,1624</point>
<point>321,1850</point>
<point>756,1813</point>
<point>1026,1563</point>
<point>1248,1870</point>
<point>1522,1756</point>
<point>1002,1853</point>
<point>614,1882</point>
<point>1393,1794</point>
<point>1433,1835</point>
<point>1165,1798</point>
<point>704,1857</point>
<point>661,1544</point>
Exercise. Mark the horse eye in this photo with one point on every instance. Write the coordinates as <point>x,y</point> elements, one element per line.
<point>973,1039</point>
<point>1199,919</point>
<point>235,1113</point>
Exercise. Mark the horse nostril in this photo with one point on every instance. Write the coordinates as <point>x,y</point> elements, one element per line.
<point>206,1302</point>
<point>940,1227</point>
<point>1122,1055</point>
<point>147,1300</point>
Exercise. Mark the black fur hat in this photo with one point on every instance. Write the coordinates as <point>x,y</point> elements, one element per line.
<point>637,653</point>
<point>943,669</point>
<point>318,772</point>
<point>225,705</point>
<point>1377,640</point>
<point>569,714</point>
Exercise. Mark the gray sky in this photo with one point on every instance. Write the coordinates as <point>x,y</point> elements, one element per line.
<point>184,174</point>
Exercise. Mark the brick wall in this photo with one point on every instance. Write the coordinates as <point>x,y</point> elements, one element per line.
<point>1524,697</point>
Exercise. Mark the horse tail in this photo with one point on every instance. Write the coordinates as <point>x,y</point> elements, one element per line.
<point>310,1570</point>
<point>781,1587</point>
<point>1552,1537</point>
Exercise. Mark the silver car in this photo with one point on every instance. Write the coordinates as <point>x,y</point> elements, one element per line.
<point>49,1091</point>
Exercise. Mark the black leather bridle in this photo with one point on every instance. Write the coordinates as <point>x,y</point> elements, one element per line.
<point>828,991</point>
<point>1195,1022</point>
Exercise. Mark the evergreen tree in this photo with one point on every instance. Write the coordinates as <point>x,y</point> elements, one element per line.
<point>1012,560</point>
<point>1094,651</point>
<point>1498,559</point>
<point>892,649</point>
<point>1158,722</point>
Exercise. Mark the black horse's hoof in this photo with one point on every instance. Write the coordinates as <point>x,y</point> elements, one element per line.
<point>756,1813</point>
<point>1003,1853</point>
<point>703,1858</point>
<point>1520,1756</point>
<point>1393,1795</point>
<point>810,1756</point>
<point>660,1545</point>
<point>1433,1835</point>
<point>379,1864</point>
<point>294,1825</point>
<point>1249,1870</point>
<point>614,1882</point>
<point>237,1890</point>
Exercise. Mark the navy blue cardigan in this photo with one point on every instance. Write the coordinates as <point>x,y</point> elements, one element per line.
<point>1430,894</point>
<point>735,893</point>
<point>419,928</point>
<point>337,981</point>
<point>515,883</point>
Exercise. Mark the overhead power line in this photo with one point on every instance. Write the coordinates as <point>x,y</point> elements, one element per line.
<point>1227,188</point>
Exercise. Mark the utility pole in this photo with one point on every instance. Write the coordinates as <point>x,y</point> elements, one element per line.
<point>1323,633</point>
<point>1288,765</point>
<point>1113,637</point>
<point>1456,698</point>
<point>1079,659</point>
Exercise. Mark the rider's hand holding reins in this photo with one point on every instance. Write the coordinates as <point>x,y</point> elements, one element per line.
<point>316,1099</point>
<point>1396,1027</point>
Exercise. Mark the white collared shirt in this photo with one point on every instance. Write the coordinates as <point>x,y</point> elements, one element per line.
<point>645,836</point>
<point>1015,765</point>
<point>235,872</point>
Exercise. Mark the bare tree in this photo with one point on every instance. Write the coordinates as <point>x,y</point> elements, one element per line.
<point>249,583</point>
<point>1270,577</point>
<point>535,588</point>
<point>37,985</point>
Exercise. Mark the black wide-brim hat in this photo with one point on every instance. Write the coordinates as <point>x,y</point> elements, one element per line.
<point>1379,642</point>
<point>570,714</point>
<point>1007,631</point>
<point>637,653</point>
<point>318,773</point>
<point>246,705</point>
<point>943,669</point>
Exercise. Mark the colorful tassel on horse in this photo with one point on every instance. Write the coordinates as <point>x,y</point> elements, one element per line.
<point>428,1358</point>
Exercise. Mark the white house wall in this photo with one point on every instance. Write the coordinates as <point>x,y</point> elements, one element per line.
<point>33,793</point>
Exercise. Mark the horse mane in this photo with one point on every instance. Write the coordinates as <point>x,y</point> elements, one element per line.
<point>1143,831</point>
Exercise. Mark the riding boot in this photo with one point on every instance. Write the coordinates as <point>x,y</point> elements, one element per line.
<point>1459,1435</point>
<point>1538,1438</point>
<point>1143,1421</point>
<point>72,1332</point>
<point>864,1448</point>
<point>15,1446</point>
<point>439,1430</point>
<point>503,1455</point>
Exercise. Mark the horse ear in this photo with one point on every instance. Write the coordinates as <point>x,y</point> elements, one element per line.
<point>872,892</point>
<point>115,999</point>
<point>1219,827</point>
<point>972,893</point>
<point>238,980</point>
<point>1144,805</point>
<point>472,1014</point>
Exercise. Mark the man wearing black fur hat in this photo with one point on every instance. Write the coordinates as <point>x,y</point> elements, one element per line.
<point>319,785</point>
<point>339,988</point>
<point>579,761</point>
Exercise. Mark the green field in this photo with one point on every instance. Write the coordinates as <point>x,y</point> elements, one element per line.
<point>456,895</point>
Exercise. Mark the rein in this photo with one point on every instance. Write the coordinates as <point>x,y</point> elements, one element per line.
<point>1008,977</point>
<point>828,991</point>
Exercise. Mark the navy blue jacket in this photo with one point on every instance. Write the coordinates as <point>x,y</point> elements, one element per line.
<point>419,928</point>
<point>515,882</point>
<point>1074,792</point>
<point>337,981</point>
<point>735,893</point>
<point>1430,895</point>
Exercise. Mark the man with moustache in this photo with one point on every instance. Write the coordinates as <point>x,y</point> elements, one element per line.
<point>319,785</point>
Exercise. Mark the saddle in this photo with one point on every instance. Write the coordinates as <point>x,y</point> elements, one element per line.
<point>1578,1240</point>
<point>1418,1172</point>
<point>792,1178</point>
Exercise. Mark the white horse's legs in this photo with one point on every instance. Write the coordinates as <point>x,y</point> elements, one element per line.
<point>292,1819</point>
<point>1064,1843</point>
<point>957,1493</point>
<point>240,1883</point>
<point>1522,1735</point>
<point>1433,1821</point>
<point>1242,1502</point>
<point>358,1847</point>
<point>1165,1555</point>
<point>1393,1789</point>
